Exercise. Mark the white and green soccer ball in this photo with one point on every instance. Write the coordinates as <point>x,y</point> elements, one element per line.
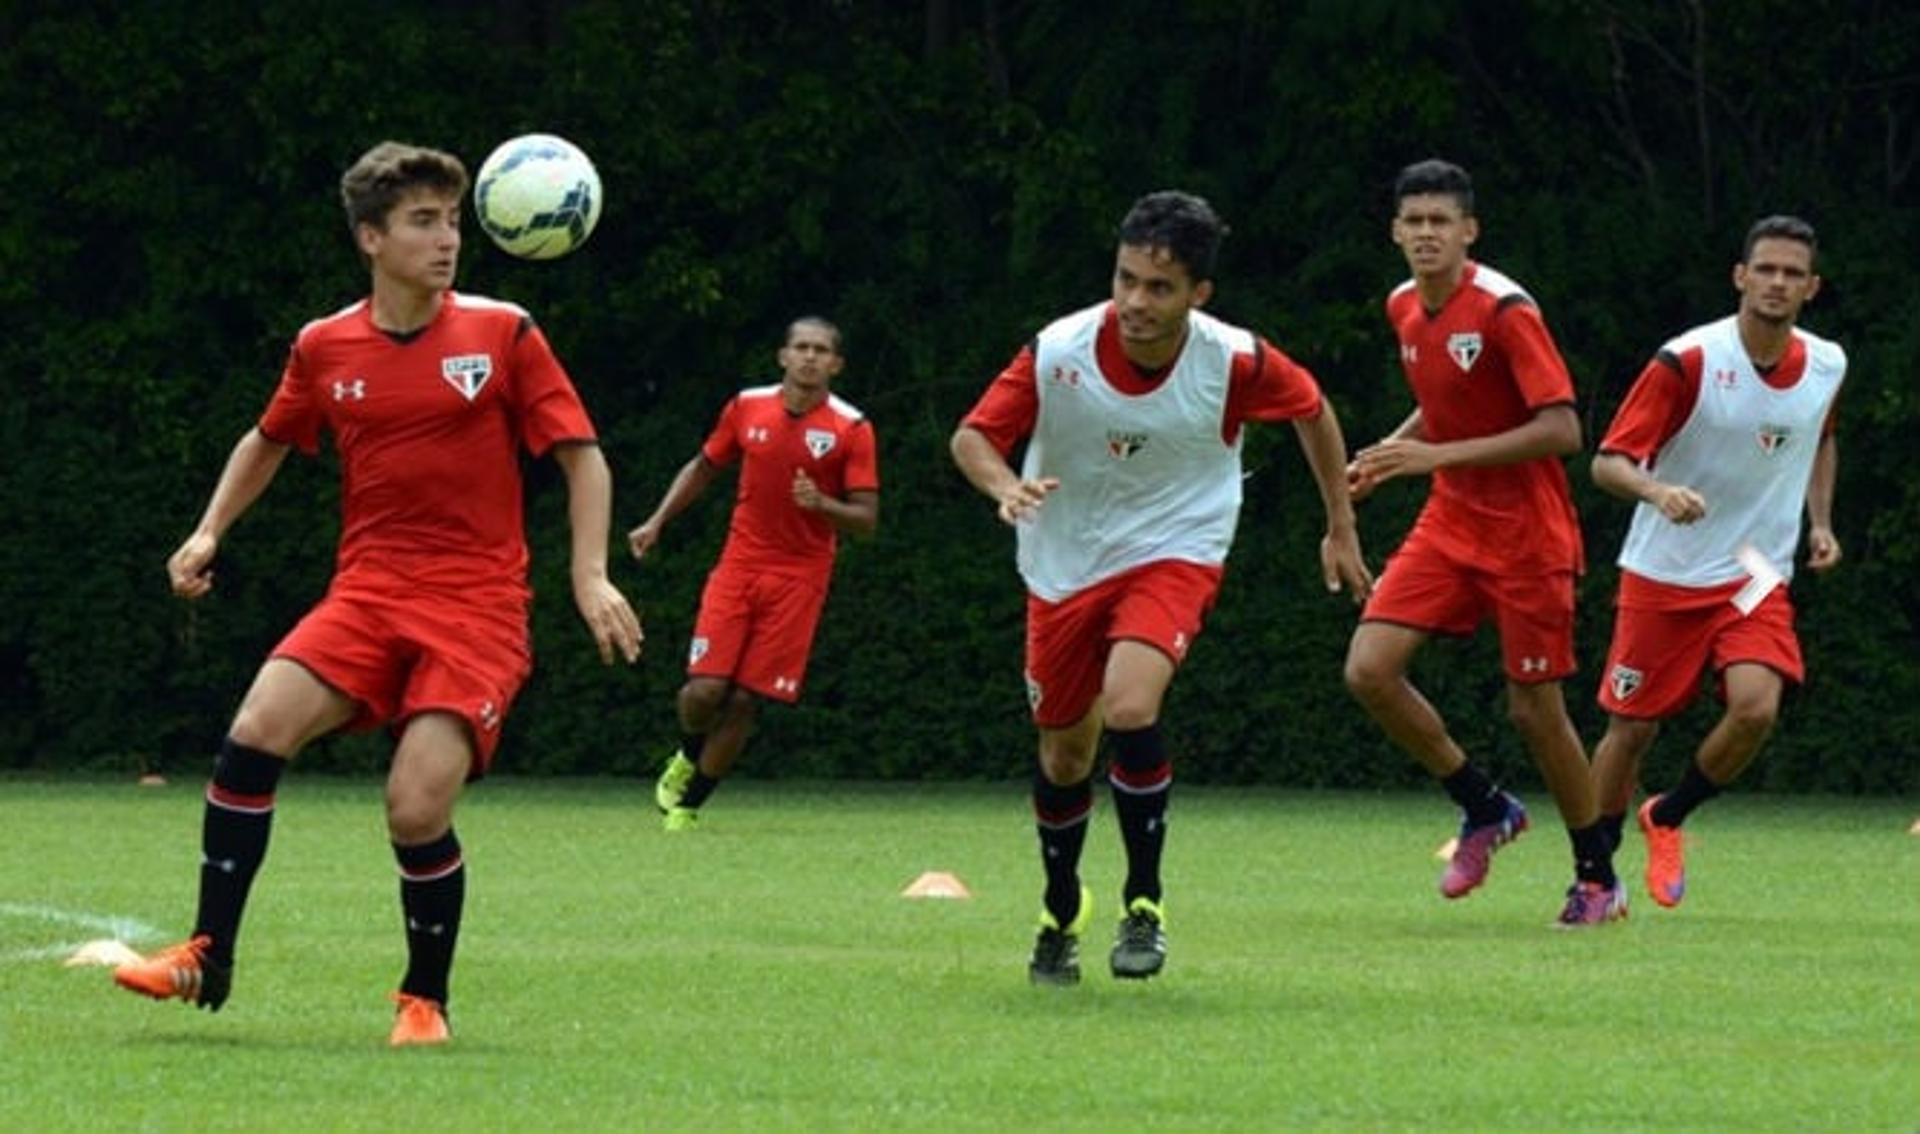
<point>537,196</point>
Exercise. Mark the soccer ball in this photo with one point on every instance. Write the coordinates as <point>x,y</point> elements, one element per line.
<point>537,196</point>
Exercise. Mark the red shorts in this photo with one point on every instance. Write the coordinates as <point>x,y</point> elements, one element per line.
<point>1425,589</point>
<point>1657,657</point>
<point>755,629</point>
<point>1161,604</point>
<point>398,656</point>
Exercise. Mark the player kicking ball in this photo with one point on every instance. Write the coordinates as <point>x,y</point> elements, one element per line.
<point>430,396</point>
<point>1724,438</point>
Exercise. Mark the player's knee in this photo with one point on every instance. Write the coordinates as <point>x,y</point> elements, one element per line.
<point>700,700</point>
<point>415,817</point>
<point>1124,716</point>
<point>1753,716</point>
<point>255,729</point>
<point>1366,678</point>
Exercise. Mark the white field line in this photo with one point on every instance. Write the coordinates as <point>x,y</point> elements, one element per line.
<point>96,925</point>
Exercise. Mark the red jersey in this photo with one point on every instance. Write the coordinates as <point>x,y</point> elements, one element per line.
<point>1483,364</point>
<point>429,426</point>
<point>833,442</point>
<point>1264,385</point>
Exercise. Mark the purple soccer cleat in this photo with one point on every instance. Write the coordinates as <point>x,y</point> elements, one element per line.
<point>1474,852</point>
<point>1590,903</point>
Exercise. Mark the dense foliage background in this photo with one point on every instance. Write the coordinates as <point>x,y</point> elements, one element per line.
<point>941,179</point>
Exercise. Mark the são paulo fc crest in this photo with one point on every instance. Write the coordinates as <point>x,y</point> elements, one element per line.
<point>1772,438</point>
<point>696,650</point>
<point>467,373</point>
<point>1121,446</point>
<point>820,442</point>
<point>1626,681</point>
<point>1464,349</point>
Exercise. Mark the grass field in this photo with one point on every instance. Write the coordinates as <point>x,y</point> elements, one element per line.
<point>764,973</point>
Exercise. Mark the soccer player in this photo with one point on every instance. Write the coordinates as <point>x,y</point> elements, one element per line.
<point>1725,436</point>
<point>808,471</point>
<point>1123,511</point>
<point>430,395</point>
<point>1497,538</point>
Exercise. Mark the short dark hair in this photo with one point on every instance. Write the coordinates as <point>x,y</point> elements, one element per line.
<point>833,332</point>
<point>1442,178</point>
<point>375,183</point>
<point>1183,224</point>
<point>1780,226</point>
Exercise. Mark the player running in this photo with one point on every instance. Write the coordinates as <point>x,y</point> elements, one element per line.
<point>1724,438</point>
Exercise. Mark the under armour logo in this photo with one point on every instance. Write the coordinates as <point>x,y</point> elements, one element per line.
<point>1065,376</point>
<point>785,685</point>
<point>1725,379</point>
<point>223,865</point>
<point>489,716</point>
<point>1533,665</point>
<point>355,390</point>
<point>436,930</point>
<point>757,433</point>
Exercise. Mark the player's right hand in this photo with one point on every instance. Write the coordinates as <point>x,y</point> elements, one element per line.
<point>1679,503</point>
<point>641,539</point>
<point>1020,501</point>
<point>190,567</point>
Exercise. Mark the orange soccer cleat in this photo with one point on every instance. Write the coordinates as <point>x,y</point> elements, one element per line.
<point>418,1021</point>
<point>1666,858</point>
<point>182,971</point>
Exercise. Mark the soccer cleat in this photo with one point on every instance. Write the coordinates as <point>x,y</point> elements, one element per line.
<point>1056,952</point>
<point>1666,858</point>
<point>1474,852</point>
<point>182,971</point>
<point>418,1022</point>
<point>1590,903</point>
<point>680,819</point>
<point>672,784</point>
<point>1140,948</point>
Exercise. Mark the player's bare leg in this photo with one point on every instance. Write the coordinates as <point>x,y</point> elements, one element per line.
<point>1616,770</point>
<point>430,766</point>
<point>1376,675</point>
<point>717,717</point>
<point>1753,705</point>
<point>1538,711</point>
<point>285,707</point>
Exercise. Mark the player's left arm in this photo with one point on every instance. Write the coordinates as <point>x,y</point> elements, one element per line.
<point>1823,547</point>
<point>1552,431</point>
<point>615,625</point>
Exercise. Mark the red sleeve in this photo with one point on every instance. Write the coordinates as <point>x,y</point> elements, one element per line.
<point>863,461</point>
<point>1266,385</point>
<point>1533,359</point>
<point>1657,406</point>
<point>722,446</point>
<point>547,405</point>
<point>292,417</point>
<point>1010,407</point>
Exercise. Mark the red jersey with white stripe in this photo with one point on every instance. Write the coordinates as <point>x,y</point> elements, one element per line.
<point>1482,364</point>
<point>833,443</point>
<point>429,427</point>
<point>1701,415</point>
<point>1149,465</point>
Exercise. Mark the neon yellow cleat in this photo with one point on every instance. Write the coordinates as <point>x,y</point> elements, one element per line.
<point>680,819</point>
<point>673,781</point>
